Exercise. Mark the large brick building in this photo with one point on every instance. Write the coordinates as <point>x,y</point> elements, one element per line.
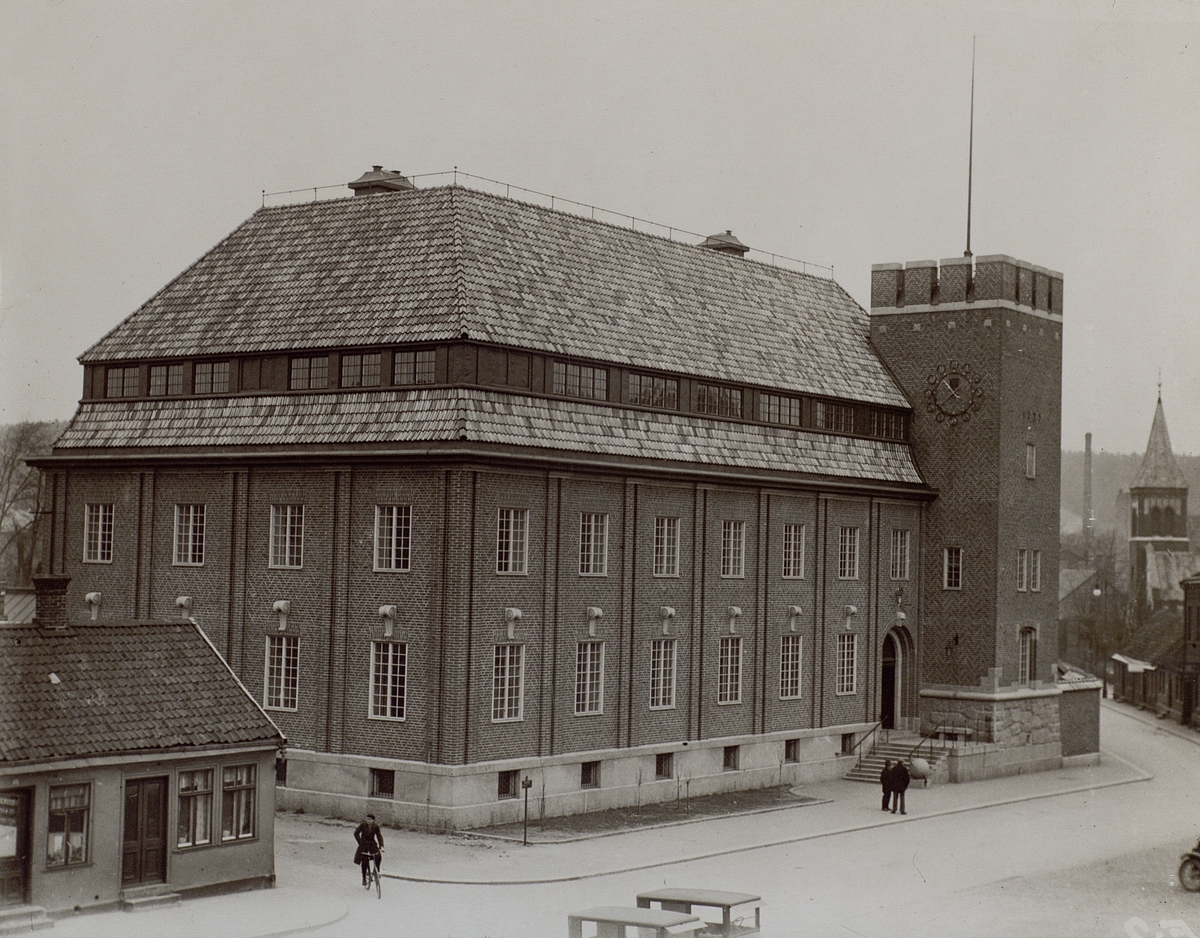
<point>469,490</point>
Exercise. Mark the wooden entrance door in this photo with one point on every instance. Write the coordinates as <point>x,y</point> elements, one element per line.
<point>887,690</point>
<point>14,847</point>
<point>144,853</point>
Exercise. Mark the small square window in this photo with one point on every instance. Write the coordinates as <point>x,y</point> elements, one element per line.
<point>589,775</point>
<point>508,783</point>
<point>791,750</point>
<point>383,783</point>
<point>664,765</point>
<point>730,760</point>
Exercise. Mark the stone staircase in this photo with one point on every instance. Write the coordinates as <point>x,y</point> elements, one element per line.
<point>22,919</point>
<point>898,746</point>
<point>141,898</point>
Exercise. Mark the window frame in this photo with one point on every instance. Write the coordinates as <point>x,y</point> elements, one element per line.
<point>503,682</point>
<point>1030,460</point>
<point>193,536</point>
<point>791,666</point>
<point>282,546</point>
<point>123,374</point>
<point>100,530</point>
<point>1035,570</point>
<point>719,400</point>
<point>187,801</point>
<point>666,546</point>
<point>208,383</point>
<point>846,681</point>
<point>1027,656</point>
<point>593,543</point>
<point>376,783</point>
<point>957,567</point>
<point>647,390</point>
<point>233,794</point>
<point>1022,570</point>
<point>82,813</point>
<point>729,671</point>
<point>281,674</point>
<point>848,552</point>
<point>663,652</point>
<point>733,549</point>
<point>414,367</point>
<point>793,553</point>
<point>589,678</point>
<point>400,536</point>
<point>589,774</point>
<point>567,374</point>
<point>353,368</point>
<point>901,551</point>
<point>509,560</point>
<point>172,379</point>
<point>780,409</point>
<point>382,698</point>
<point>307,384</point>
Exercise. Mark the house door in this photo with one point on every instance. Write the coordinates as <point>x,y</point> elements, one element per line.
<point>144,853</point>
<point>14,847</point>
<point>887,690</point>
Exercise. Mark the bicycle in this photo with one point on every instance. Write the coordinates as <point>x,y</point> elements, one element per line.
<point>373,874</point>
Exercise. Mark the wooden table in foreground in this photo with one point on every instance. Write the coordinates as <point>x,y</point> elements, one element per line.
<point>611,921</point>
<point>682,900</point>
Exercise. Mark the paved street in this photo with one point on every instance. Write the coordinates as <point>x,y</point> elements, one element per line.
<point>1079,852</point>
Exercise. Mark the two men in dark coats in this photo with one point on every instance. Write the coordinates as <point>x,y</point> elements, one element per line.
<point>894,779</point>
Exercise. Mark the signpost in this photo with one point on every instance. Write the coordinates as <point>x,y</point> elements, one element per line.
<point>526,783</point>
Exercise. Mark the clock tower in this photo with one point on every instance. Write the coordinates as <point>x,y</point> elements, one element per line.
<point>976,344</point>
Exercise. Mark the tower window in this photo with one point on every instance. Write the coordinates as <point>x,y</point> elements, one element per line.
<point>1028,664</point>
<point>952,568</point>
<point>1030,461</point>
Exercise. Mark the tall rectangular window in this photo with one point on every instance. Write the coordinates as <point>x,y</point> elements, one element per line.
<point>718,400</point>
<point>848,554</point>
<point>952,568</point>
<point>653,391</point>
<point>166,379</point>
<point>508,692</point>
<point>213,378</point>
<point>237,802</point>
<point>1030,461</point>
<point>1028,662</point>
<point>67,832</point>
<point>287,536</point>
<point>124,381</point>
<point>1022,569</point>
<point>900,540</point>
<point>189,535</point>
<point>666,547</point>
<point>775,408</point>
<point>836,417</point>
<point>589,678</point>
<point>790,651</point>
<point>283,672</point>
<point>195,808</point>
<point>584,381</point>
<point>415,367</point>
<point>733,548</point>
<point>360,371</point>
<point>729,670</point>
<point>97,533</point>
<point>309,373</point>
<point>662,674</point>
<point>1035,571</point>
<point>393,537</point>
<point>511,535</point>
<point>389,675</point>
<point>793,552</point>
<point>847,664</point>
<point>593,544</point>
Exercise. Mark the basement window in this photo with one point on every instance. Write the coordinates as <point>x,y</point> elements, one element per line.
<point>383,783</point>
<point>664,765</point>
<point>589,775</point>
<point>730,760</point>
<point>791,750</point>
<point>508,783</point>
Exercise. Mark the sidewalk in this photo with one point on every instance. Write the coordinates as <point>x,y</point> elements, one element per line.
<point>318,885</point>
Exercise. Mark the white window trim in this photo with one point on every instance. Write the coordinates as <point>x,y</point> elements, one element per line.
<point>271,564</point>
<point>524,571</point>
<point>371,715</point>
<point>906,538</point>
<point>857,540</point>
<point>799,667</point>
<point>736,641</point>
<point>375,553</point>
<point>674,661</point>
<point>175,561</point>
<point>267,675</point>
<point>666,553</point>
<point>853,667</point>
<point>520,685</point>
<point>112,532</point>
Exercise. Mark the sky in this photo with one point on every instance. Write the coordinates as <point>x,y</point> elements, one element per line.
<point>134,136</point>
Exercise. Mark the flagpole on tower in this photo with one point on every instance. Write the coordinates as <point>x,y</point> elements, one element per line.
<point>970,150</point>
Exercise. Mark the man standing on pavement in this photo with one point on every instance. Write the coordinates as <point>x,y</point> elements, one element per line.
<point>900,780</point>
<point>885,779</point>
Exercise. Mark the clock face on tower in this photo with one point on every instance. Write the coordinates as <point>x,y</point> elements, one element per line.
<point>953,393</point>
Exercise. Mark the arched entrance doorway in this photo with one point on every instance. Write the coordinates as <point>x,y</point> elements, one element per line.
<point>888,698</point>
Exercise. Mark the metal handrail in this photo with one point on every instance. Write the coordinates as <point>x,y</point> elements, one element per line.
<point>928,737</point>
<point>871,732</point>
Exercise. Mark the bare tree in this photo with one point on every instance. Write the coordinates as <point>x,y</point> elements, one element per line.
<point>19,495</point>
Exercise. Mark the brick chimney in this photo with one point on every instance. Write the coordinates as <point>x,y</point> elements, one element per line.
<point>51,595</point>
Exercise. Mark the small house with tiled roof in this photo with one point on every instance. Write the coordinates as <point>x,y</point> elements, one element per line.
<point>470,491</point>
<point>134,766</point>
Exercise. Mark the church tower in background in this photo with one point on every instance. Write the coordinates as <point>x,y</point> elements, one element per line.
<point>976,344</point>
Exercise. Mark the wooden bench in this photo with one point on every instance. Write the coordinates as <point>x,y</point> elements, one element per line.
<point>682,900</point>
<point>612,920</point>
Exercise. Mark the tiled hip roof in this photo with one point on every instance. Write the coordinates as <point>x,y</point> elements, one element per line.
<point>450,263</point>
<point>444,415</point>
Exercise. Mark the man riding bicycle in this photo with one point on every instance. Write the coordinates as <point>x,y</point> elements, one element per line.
<point>369,838</point>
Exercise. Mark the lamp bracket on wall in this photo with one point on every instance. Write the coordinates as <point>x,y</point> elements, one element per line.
<point>388,615</point>
<point>511,616</point>
<point>283,609</point>
<point>594,615</point>
<point>666,613</point>
<point>734,612</point>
